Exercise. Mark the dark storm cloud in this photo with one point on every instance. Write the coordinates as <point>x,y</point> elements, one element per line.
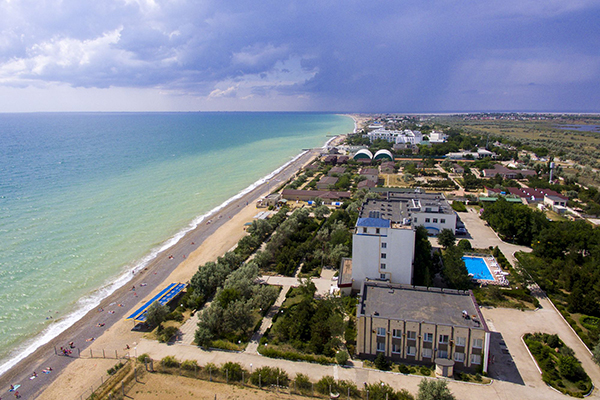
<point>351,55</point>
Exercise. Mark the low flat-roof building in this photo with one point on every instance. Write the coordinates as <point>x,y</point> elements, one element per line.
<point>326,182</point>
<point>371,174</point>
<point>307,195</point>
<point>336,170</point>
<point>507,173</point>
<point>419,325</point>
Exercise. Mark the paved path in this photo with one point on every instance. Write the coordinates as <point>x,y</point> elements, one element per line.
<point>464,391</point>
<point>513,324</point>
<point>252,347</point>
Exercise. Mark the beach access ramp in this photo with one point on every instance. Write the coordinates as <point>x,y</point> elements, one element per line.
<point>163,298</point>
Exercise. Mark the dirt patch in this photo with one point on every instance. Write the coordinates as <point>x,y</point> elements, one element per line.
<point>159,386</point>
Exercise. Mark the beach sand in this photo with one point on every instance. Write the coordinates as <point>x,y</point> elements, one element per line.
<point>72,376</point>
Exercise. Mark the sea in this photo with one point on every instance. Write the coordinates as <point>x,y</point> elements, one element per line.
<point>87,197</point>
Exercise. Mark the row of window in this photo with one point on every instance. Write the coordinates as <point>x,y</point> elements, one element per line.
<point>435,220</point>
<point>428,337</point>
<point>428,353</point>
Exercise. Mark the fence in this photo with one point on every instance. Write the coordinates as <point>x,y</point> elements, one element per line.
<point>91,353</point>
<point>117,385</point>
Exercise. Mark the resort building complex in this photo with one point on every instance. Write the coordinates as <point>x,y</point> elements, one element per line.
<point>422,326</point>
<point>383,243</point>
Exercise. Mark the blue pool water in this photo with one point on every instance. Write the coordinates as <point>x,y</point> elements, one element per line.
<point>477,267</point>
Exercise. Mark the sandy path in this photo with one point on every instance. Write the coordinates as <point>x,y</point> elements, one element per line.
<point>72,376</point>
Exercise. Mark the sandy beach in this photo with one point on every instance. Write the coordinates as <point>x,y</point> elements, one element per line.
<point>106,325</point>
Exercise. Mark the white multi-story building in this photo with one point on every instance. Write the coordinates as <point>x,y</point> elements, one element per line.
<point>383,243</point>
<point>382,250</point>
<point>437,137</point>
<point>397,137</point>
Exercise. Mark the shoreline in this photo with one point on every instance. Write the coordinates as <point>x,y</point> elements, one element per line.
<point>155,273</point>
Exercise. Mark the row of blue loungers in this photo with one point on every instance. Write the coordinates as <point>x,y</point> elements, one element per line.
<point>163,298</point>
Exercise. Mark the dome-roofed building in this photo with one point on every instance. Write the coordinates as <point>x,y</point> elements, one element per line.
<point>363,154</point>
<point>384,154</point>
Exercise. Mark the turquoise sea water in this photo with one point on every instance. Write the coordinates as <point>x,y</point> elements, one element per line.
<point>85,197</point>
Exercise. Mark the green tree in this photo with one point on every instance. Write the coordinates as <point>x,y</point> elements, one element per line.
<point>464,245</point>
<point>321,211</point>
<point>423,265</point>
<point>454,270</point>
<point>157,313</point>
<point>596,353</point>
<point>434,390</point>
<point>446,238</point>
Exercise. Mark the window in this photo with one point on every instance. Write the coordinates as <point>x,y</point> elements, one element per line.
<point>382,276</point>
<point>475,359</point>
<point>364,230</point>
<point>384,245</point>
<point>443,221</point>
<point>428,337</point>
<point>382,266</point>
<point>442,354</point>
<point>380,331</point>
<point>380,346</point>
<point>435,220</point>
<point>383,255</point>
<point>396,348</point>
<point>461,341</point>
<point>427,219</point>
<point>477,343</point>
<point>415,220</point>
<point>443,339</point>
<point>427,353</point>
<point>376,230</point>
<point>397,333</point>
<point>411,350</point>
<point>459,357</point>
<point>427,209</point>
<point>411,335</point>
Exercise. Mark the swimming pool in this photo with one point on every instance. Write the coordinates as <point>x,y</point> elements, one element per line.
<point>478,267</point>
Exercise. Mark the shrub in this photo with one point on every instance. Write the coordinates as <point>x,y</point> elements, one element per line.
<point>232,370</point>
<point>169,362</point>
<point>302,382</point>
<point>142,358</point>
<point>425,371</point>
<point>114,369</point>
<point>190,365</point>
<point>175,316</point>
<point>269,376</point>
<point>341,357</point>
<point>167,333</point>
<point>325,384</point>
<point>403,369</point>
<point>381,362</point>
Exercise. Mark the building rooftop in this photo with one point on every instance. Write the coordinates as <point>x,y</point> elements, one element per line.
<point>400,206</point>
<point>435,305</point>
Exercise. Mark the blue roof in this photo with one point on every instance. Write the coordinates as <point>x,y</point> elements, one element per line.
<point>164,297</point>
<point>373,222</point>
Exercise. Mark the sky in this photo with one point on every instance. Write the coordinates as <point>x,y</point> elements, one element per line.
<point>400,56</point>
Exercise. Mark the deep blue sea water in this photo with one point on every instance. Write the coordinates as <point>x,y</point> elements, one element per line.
<point>85,197</point>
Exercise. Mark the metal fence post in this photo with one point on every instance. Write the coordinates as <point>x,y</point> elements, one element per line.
<point>277,383</point>
<point>116,355</point>
<point>103,354</point>
<point>367,394</point>
<point>226,376</point>
<point>122,388</point>
<point>210,374</point>
<point>259,382</point>
<point>243,380</point>
<point>91,354</point>
<point>348,392</point>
